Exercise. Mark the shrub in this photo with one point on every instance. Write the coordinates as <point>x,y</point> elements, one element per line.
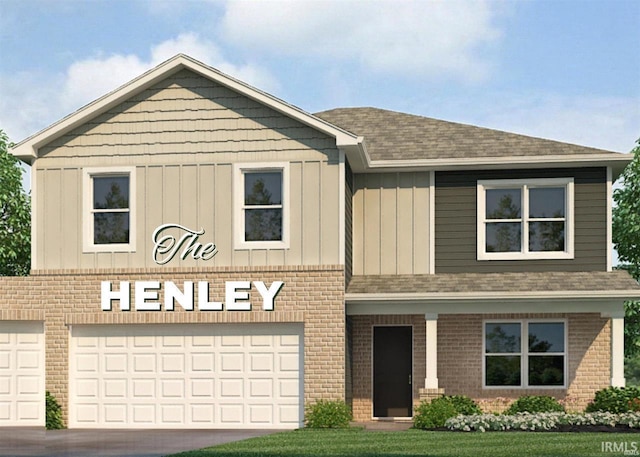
<point>616,400</point>
<point>54,413</point>
<point>535,404</point>
<point>540,421</point>
<point>464,405</point>
<point>328,414</point>
<point>436,412</point>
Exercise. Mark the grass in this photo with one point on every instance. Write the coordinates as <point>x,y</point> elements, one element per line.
<point>361,443</point>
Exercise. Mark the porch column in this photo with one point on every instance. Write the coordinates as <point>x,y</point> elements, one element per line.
<point>431,322</point>
<point>617,350</point>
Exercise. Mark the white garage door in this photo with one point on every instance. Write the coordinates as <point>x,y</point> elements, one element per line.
<point>21,373</point>
<point>186,375</point>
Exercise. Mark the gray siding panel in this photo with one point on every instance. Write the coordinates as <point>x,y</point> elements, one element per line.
<point>456,227</point>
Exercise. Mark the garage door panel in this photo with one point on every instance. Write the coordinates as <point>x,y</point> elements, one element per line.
<point>172,363</point>
<point>231,362</point>
<point>204,362</point>
<point>144,363</point>
<point>115,388</point>
<point>5,385</point>
<point>87,363</point>
<point>22,396</point>
<point>28,385</point>
<point>144,388</point>
<point>115,413</point>
<point>231,414</point>
<point>288,388</point>
<point>212,376</point>
<point>202,388</point>
<point>202,414</point>
<point>144,414</point>
<point>86,413</point>
<point>261,388</point>
<point>172,388</point>
<point>27,359</point>
<point>262,362</point>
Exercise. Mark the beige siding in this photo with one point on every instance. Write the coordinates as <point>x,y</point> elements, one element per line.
<point>183,137</point>
<point>455,224</point>
<point>391,223</point>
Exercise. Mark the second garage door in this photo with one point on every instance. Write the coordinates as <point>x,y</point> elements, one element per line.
<point>186,375</point>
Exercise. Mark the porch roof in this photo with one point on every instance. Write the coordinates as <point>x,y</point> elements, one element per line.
<point>618,284</point>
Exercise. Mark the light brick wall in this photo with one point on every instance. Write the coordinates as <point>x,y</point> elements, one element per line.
<point>311,295</point>
<point>460,359</point>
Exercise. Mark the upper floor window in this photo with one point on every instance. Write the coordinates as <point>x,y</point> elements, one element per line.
<point>525,219</point>
<point>262,208</point>
<point>109,202</point>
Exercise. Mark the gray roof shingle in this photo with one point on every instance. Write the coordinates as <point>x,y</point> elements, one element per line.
<point>390,135</point>
<point>593,281</point>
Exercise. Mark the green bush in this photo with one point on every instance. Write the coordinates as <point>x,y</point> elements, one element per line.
<point>535,404</point>
<point>615,400</point>
<point>464,405</point>
<point>328,414</point>
<point>54,413</point>
<point>436,412</point>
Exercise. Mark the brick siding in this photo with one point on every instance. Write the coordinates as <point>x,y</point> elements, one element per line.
<point>313,296</point>
<point>460,359</point>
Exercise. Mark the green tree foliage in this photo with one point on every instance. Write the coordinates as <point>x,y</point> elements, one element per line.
<point>15,215</point>
<point>626,238</point>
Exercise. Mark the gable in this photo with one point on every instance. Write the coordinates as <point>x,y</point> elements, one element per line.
<point>187,113</point>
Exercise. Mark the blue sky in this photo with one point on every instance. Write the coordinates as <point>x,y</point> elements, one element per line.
<point>565,70</point>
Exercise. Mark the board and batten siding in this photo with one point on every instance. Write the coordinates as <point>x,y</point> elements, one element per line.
<point>456,229</point>
<point>183,136</point>
<point>391,223</point>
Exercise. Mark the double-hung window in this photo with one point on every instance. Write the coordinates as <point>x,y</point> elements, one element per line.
<point>262,210</point>
<point>525,219</point>
<point>109,209</point>
<point>524,354</point>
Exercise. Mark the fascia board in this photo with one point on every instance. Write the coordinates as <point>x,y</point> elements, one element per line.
<point>617,161</point>
<point>27,149</point>
<point>475,296</point>
<point>603,307</point>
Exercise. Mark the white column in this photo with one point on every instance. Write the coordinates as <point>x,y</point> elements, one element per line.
<point>431,381</point>
<point>617,350</point>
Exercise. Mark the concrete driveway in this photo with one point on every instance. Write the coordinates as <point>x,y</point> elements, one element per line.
<point>25,441</point>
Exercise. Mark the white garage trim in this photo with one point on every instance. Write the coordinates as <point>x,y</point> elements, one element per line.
<point>22,395</point>
<point>186,376</point>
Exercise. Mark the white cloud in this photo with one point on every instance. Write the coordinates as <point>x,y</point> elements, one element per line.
<point>602,122</point>
<point>419,39</point>
<point>43,100</point>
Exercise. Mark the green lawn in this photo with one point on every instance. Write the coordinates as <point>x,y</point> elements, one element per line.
<point>357,442</point>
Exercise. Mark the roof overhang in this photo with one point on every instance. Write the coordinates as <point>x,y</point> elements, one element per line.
<point>604,302</point>
<point>617,162</point>
<point>27,150</point>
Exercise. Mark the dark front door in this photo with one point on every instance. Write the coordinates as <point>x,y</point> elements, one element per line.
<point>392,392</point>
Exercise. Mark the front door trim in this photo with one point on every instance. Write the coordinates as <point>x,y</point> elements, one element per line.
<point>373,327</point>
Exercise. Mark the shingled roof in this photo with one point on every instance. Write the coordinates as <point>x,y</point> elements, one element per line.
<point>390,135</point>
<point>515,283</point>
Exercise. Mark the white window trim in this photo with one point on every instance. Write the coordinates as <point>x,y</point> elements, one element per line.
<point>87,224</point>
<point>238,203</point>
<point>524,254</point>
<point>524,352</point>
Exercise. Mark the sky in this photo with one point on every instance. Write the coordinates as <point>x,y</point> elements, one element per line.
<point>567,70</point>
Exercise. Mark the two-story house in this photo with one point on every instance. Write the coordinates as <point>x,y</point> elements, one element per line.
<point>207,255</point>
